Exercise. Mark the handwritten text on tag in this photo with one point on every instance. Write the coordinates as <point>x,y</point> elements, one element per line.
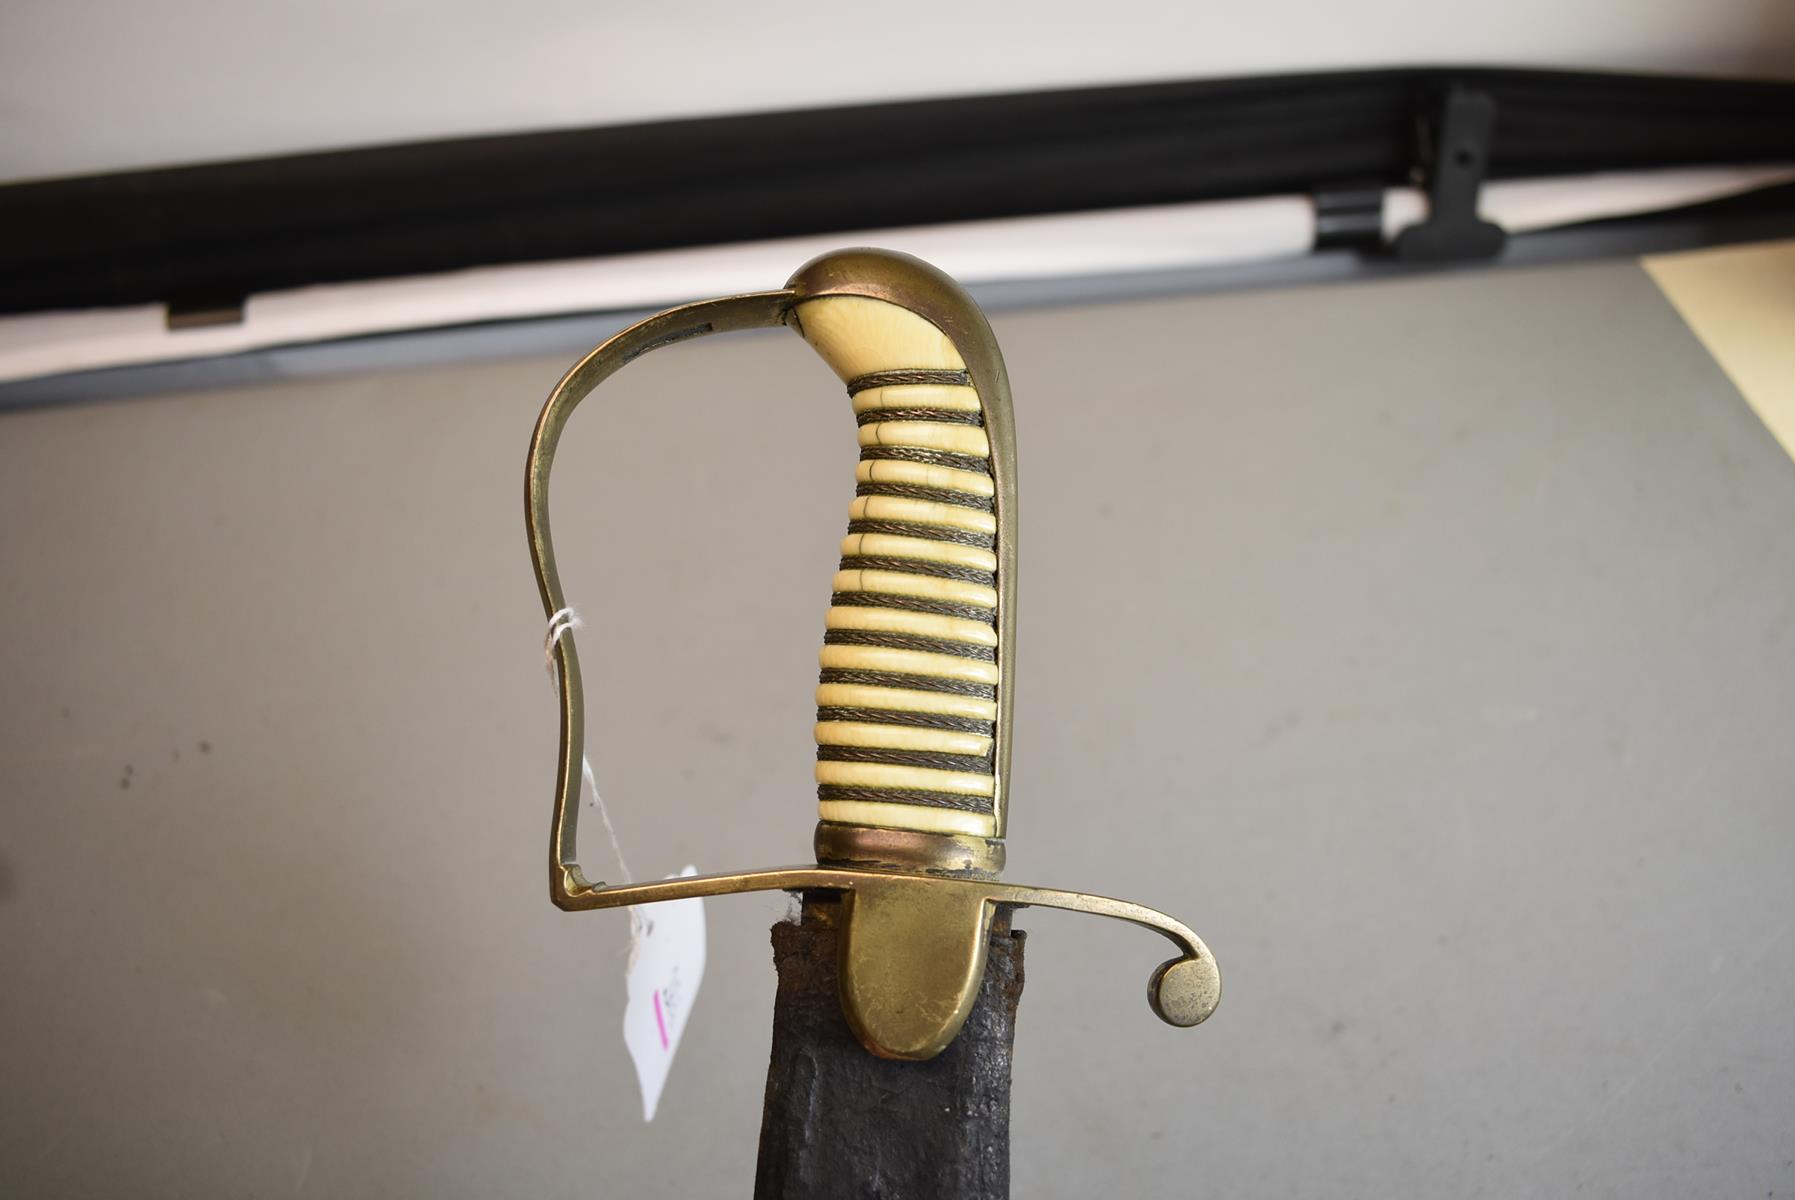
<point>666,967</point>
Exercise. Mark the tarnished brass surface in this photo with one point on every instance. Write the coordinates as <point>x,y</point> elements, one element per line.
<point>754,311</point>
<point>917,907</point>
<point>872,849</point>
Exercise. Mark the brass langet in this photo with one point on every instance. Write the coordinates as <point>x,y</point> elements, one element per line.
<point>912,833</point>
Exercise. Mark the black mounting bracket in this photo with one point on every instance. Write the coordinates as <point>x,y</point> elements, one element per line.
<point>1454,153</point>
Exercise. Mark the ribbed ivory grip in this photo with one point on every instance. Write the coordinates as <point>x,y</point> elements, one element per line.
<point>907,701</point>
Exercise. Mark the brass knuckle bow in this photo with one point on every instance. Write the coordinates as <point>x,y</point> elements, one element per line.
<point>917,907</point>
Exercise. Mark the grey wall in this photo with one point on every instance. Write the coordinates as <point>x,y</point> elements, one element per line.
<point>1428,645</point>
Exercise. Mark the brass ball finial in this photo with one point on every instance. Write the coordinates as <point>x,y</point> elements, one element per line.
<point>1185,991</point>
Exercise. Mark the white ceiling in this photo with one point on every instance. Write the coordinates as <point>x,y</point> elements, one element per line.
<point>100,85</point>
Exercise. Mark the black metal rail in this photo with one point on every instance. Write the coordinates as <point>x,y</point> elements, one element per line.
<point>211,235</point>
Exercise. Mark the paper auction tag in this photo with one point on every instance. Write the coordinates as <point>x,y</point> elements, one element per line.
<point>666,967</point>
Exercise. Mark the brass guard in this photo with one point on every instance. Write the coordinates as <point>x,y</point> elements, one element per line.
<point>913,946</point>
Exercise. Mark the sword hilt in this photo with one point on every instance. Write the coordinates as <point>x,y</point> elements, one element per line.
<point>913,705</point>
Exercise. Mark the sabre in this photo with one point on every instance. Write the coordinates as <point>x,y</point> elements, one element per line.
<point>905,927</point>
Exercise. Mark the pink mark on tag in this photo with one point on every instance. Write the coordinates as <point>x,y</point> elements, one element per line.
<point>660,1020</point>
